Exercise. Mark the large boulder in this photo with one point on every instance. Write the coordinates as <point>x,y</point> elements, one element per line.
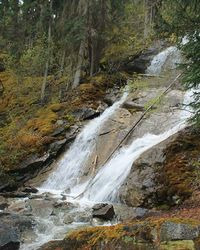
<point>40,208</point>
<point>178,231</point>
<point>12,227</point>
<point>9,238</point>
<point>124,213</point>
<point>103,211</point>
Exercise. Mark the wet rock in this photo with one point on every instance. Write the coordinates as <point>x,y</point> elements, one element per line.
<point>85,114</point>
<point>55,147</point>
<point>30,190</point>
<point>140,188</point>
<point>83,216</point>
<point>63,205</point>
<point>103,211</point>
<point>125,213</point>
<point>41,208</point>
<point>72,133</point>
<point>140,63</point>
<point>9,238</point>
<point>36,196</point>
<point>178,231</point>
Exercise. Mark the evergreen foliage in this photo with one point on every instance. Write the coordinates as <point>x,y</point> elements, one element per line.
<point>181,17</point>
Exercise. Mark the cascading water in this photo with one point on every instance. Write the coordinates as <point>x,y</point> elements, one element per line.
<point>70,167</point>
<point>104,186</point>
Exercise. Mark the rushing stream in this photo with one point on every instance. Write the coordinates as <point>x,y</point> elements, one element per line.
<point>104,185</point>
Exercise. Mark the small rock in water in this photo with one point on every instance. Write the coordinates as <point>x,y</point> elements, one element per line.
<point>83,217</point>
<point>68,219</point>
<point>103,211</point>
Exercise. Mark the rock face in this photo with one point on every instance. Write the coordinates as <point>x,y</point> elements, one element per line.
<point>85,114</point>
<point>140,187</point>
<point>124,213</point>
<point>12,227</point>
<point>140,63</point>
<point>103,211</point>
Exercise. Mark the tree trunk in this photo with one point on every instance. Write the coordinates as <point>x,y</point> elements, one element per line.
<point>77,76</point>
<point>62,63</point>
<point>43,89</point>
<point>151,9</point>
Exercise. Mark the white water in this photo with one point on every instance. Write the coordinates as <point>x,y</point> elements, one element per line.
<point>71,166</point>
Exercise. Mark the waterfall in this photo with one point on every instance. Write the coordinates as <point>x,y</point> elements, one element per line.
<point>160,60</point>
<point>71,166</point>
<point>105,185</point>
